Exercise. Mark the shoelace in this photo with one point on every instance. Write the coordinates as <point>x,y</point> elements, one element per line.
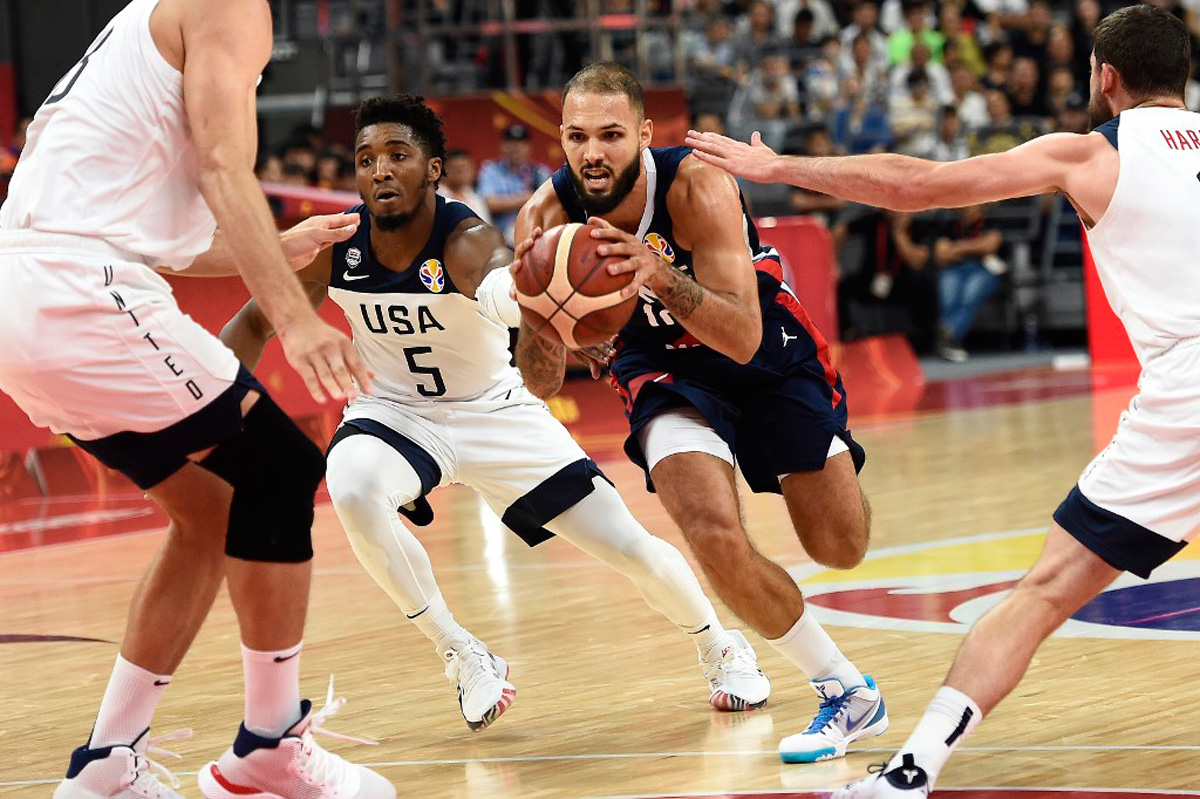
<point>149,780</point>
<point>319,766</point>
<point>828,712</point>
<point>474,667</point>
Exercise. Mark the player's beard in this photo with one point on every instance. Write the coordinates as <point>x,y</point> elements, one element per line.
<point>389,223</point>
<point>601,204</point>
<point>1098,111</point>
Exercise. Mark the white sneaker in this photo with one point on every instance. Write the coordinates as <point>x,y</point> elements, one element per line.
<point>846,715</point>
<point>293,766</point>
<point>120,772</point>
<point>733,675</point>
<point>481,678</point>
<point>906,781</point>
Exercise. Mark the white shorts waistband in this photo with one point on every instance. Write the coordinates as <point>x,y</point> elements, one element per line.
<point>34,241</point>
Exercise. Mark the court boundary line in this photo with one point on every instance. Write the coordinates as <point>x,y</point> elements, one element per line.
<point>460,761</point>
<point>776,792</point>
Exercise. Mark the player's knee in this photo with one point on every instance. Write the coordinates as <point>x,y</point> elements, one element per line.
<point>718,541</point>
<point>274,470</point>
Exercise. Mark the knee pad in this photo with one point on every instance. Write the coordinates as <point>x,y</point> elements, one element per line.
<point>274,470</point>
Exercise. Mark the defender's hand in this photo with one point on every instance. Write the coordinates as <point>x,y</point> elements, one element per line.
<point>754,161</point>
<point>644,264</point>
<point>302,242</point>
<point>325,359</point>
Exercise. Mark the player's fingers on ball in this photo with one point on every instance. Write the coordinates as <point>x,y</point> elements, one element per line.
<point>629,264</point>
<point>598,222</point>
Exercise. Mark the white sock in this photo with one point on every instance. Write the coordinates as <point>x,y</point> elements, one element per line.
<point>438,624</point>
<point>814,652</point>
<point>272,690</point>
<point>708,635</point>
<point>949,719</point>
<point>128,704</point>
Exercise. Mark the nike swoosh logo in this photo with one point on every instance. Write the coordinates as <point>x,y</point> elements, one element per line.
<point>855,722</point>
<point>162,682</point>
<point>348,276</point>
<point>279,659</point>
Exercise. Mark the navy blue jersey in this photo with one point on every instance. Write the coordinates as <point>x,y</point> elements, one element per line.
<point>421,336</point>
<point>780,411</point>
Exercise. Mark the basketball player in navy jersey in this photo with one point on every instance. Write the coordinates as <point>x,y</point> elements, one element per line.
<point>138,155</point>
<point>424,287</point>
<point>719,365</point>
<point>1132,180</point>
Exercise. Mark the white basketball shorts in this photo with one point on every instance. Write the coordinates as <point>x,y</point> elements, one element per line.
<point>93,344</point>
<point>506,445</point>
<point>1138,501</point>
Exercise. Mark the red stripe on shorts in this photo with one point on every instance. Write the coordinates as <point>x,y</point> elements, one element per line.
<point>772,267</point>
<point>797,310</point>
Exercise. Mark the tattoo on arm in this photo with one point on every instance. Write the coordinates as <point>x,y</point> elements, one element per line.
<point>541,362</point>
<point>682,295</point>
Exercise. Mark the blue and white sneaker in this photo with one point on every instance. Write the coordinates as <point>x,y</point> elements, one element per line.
<point>846,715</point>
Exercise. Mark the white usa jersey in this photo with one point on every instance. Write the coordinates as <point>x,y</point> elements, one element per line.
<point>423,338</point>
<point>1146,243</point>
<point>109,155</point>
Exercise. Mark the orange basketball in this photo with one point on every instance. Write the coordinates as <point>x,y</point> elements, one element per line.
<point>565,291</point>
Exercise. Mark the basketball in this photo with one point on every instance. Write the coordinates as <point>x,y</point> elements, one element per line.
<point>565,291</point>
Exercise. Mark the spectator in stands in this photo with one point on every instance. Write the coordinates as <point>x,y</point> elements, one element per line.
<point>510,180</point>
<point>900,43</point>
<point>865,23</point>
<point>1060,84</point>
<point>865,69</point>
<point>294,174</point>
<point>712,57</point>
<point>1003,14</point>
<point>708,121</point>
<point>326,172</point>
<point>1024,94</point>
<point>755,36</point>
<point>270,169</point>
<point>891,16</point>
<point>821,79</point>
<point>972,105</point>
<point>969,270</point>
<point>859,123</point>
<point>1084,18</point>
<point>803,43</point>
<point>999,58</point>
<point>347,180</point>
<point>825,22</point>
<point>458,182</point>
<point>819,144</point>
<point>300,154</point>
<point>1060,52</point>
<point>922,61</point>
<point>1073,117</point>
<point>769,101</point>
<point>951,143</point>
<point>1030,39</point>
<point>955,32</point>
<point>914,117</point>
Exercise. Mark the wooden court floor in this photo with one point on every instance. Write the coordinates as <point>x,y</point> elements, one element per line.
<point>610,700</point>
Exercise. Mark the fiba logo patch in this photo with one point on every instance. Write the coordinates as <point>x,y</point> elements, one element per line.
<point>353,257</point>
<point>659,246</point>
<point>432,275</point>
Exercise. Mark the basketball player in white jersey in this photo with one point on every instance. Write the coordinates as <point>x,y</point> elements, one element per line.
<point>139,153</point>
<point>425,288</point>
<point>1132,181</point>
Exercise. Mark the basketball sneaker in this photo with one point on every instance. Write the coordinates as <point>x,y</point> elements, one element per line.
<point>121,772</point>
<point>846,714</point>
<point>906,781</point>
<point>481,678</point>
<point>293,766</point>
<point>733,675</point>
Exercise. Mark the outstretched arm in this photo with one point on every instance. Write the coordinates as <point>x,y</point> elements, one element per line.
<point>902,183</point>
<point>300,244</point>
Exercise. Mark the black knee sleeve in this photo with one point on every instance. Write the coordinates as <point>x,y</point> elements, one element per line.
<point>274,470</point>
